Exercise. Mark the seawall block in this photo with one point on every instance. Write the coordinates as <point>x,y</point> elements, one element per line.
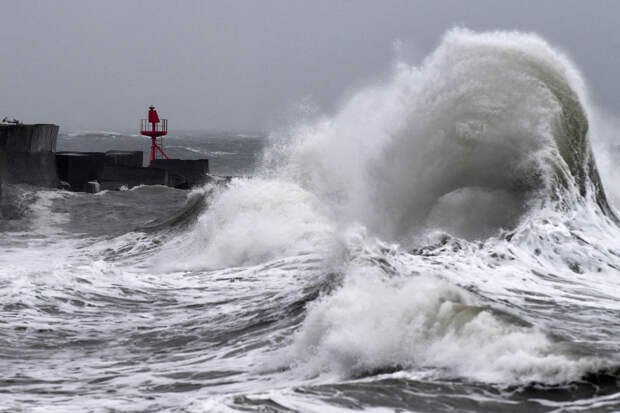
<point>27,154</point>
<point>184,173</point>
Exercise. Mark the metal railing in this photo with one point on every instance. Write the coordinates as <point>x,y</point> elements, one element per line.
<point>162,126</point>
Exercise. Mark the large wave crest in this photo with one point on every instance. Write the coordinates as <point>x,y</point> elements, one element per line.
<point>487,126</point>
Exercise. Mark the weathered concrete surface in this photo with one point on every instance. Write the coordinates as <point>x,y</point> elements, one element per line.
<point>124,158</point>
<point>115,169</point>
<point>111,170</point>
<point>184,173</point>
<point>78,168</point>
<point>27,154</point>
<point>114,177</point>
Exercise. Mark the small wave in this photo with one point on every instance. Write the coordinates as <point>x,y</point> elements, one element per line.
<point>249,135</point>
<point>111,134</point>
<point>186,148</point>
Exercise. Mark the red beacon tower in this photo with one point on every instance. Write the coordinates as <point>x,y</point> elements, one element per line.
<point>155,128</point>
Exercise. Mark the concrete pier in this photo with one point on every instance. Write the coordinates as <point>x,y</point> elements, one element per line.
<point>184,173</point>
<point>27,154</point>
<point>116,169</point>
<point>115,177</point>
<point>124,158</point>
<point>78,168</point>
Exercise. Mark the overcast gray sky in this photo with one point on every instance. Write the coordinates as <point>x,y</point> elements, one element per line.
<point>243,65</point>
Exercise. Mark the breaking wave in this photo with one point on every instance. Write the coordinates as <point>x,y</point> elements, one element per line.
<point>441,240</point>
<point>492,119</point>
<point>449,199</point>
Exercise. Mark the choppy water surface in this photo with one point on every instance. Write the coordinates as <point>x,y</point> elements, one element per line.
<point>447,241</point>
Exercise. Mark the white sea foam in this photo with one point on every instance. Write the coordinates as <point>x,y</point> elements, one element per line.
<point>424,214</point>
<point>253,221</point>
<point>468,144</point>
<point>45,220</point>
<point>373,323</point>
<point>475,114</point>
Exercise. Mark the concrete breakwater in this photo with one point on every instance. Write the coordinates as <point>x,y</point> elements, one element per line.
<point>116,169</point>
<point>28,155</point>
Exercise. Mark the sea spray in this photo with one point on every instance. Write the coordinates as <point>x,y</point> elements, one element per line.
<point>439,243</point>
<point>486,141</point>
<point>253,221</point>
<point>373,324</point>
<point>495,112</point>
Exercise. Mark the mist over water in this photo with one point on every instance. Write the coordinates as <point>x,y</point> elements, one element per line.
<point>448,239</point>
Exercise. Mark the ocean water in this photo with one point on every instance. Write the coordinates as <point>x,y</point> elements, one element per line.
<point>448,240</point>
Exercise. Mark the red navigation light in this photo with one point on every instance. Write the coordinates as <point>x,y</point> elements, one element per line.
<point>156,129</point>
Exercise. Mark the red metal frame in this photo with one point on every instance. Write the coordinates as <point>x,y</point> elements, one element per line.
<point>157,129</point>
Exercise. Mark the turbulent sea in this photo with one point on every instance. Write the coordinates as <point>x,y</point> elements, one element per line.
<point>448,240</point>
